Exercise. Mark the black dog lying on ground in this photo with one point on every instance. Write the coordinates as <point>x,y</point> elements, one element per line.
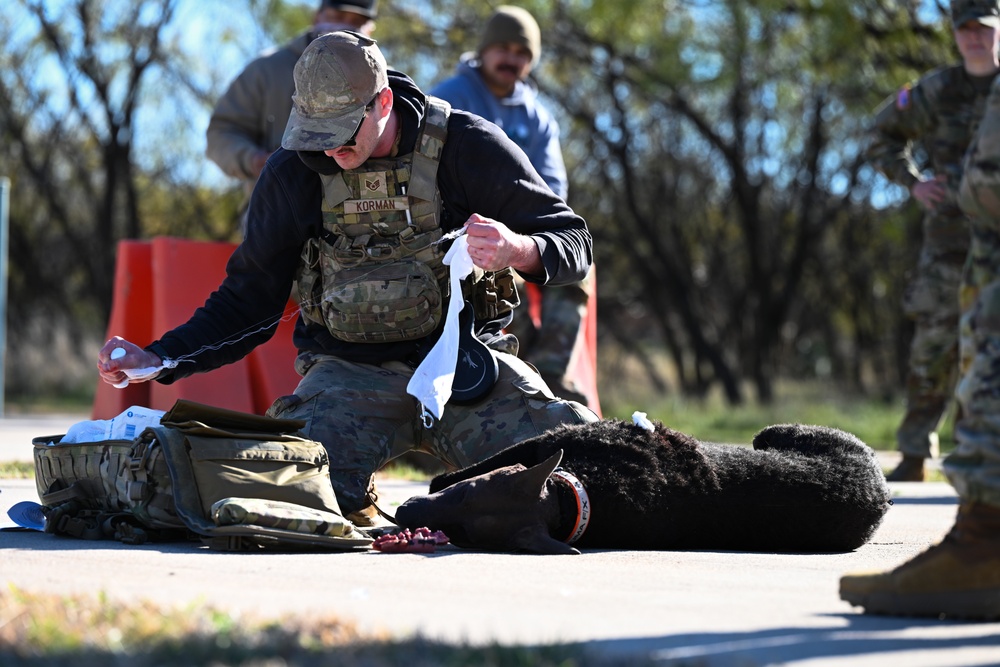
<point>805,489</point>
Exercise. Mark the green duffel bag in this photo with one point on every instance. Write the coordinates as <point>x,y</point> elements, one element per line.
<point>238,481</point>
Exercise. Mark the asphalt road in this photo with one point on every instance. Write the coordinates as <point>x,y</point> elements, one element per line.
<point>706,608</point>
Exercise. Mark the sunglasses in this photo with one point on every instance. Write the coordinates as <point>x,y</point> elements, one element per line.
<point>368,107</point>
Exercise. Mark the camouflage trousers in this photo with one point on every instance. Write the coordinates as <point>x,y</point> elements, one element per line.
<point>974,467</point>
<point>364,417</point>
<point>932,303</point>
<point>551,345</point>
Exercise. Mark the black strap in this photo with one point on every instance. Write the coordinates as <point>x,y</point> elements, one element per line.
<point>372,498</point>
<point>72,492</point>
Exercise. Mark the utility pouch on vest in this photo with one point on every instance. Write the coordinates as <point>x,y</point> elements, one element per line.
<point>396,301</point>
<point>309,282</point>
<point>237,481</point>
<point>492,293</point>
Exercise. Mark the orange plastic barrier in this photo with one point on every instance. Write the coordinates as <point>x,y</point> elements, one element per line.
<point>132,319</point>
<point>272,365</point>
<point>185,273</point>
<point>158,285</point>
<point>585,365</point>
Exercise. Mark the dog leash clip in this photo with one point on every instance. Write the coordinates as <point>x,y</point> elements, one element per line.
<point>426,417</point>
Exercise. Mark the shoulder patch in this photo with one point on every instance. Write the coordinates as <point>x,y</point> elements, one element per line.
<point>903,98</point>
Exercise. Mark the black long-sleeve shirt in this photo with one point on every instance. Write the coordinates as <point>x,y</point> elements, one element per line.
<point>481,171</point>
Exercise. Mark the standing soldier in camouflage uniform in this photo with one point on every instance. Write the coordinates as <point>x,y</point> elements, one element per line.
<point>940,112</point>
<point>960,577</point>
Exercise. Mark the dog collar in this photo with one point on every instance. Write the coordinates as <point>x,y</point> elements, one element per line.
<point>582,504</point>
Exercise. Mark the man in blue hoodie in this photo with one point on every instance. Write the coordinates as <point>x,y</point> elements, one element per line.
<point>493,83</point>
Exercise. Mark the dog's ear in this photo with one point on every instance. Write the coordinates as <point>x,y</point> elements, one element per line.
<point>552,462</point>
<point>536,540</point>
<point>531,482</point>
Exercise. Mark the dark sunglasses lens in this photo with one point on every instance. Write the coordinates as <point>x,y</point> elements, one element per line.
<point>351,141</point>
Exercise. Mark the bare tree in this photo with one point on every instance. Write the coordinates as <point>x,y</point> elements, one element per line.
<point>713,148</point>
<point>75,78</point>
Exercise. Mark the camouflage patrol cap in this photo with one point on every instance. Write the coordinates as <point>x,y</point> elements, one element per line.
<point>986,12</point>
<point>337,75</point>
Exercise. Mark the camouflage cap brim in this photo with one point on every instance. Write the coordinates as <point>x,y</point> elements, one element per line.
<point>320,133</point>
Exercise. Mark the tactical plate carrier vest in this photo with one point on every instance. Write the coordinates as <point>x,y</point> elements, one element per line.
<point>375,274</point>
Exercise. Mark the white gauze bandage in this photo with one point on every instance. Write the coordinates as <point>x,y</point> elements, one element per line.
<point>432,380</point>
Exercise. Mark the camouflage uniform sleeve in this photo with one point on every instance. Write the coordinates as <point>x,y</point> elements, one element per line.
<point>233,135</point>
<point>902,119</point>
<point>979,195</point>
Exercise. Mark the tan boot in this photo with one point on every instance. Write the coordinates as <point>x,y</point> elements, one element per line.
<point>367,516</point>
<point>364,517</point>
<point>958,578</point>
<point>910,469</point>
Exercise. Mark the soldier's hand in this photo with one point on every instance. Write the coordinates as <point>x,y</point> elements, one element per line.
<point>931,192</point>
<point>494,246</point>
<point>111,365</point>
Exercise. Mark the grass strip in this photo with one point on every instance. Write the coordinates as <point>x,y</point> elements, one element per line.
<point>44,630</point>
<point>17,470</point>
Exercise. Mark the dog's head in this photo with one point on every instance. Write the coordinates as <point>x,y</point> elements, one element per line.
<point>506,509</point>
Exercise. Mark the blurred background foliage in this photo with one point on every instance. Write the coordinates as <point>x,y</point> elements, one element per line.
<point>714,146</point>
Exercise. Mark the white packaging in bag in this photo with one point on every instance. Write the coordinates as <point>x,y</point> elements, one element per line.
<point>125,426</point>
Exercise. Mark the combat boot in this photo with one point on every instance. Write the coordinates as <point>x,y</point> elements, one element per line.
<point>910,469</point>
<point>958,578</point>
<point>364,517</point>
<point>367,516</point>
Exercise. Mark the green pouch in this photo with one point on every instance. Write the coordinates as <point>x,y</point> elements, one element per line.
<point>384,303</point>
<point>118,489</point>
<point>277,514</point>
<point>214,455</point>
<point>85,472</point>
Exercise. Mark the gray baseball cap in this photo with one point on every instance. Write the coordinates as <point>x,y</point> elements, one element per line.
<point>336,77</point>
